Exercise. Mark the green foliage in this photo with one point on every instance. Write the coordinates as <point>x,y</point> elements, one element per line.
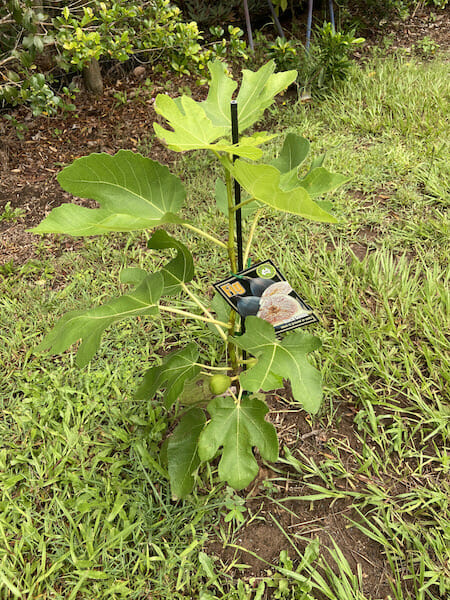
<point>236,427</point>
<point>136,193</point>
<point>284,53</point>
<point>281,359</point>
<point>328,61</point>
<point>33,43</point>
<point>11,214</point>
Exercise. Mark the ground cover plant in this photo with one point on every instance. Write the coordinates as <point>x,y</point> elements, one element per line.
<point>85,507</point>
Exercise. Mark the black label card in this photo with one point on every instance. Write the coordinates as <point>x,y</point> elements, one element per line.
<point>262,290</point>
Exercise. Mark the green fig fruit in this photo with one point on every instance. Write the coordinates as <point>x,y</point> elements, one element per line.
<point>218,384</point>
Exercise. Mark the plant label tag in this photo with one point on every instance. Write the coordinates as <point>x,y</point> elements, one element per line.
<point>262,290</point>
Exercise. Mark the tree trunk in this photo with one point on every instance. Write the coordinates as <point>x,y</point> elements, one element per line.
<point>92,77</point>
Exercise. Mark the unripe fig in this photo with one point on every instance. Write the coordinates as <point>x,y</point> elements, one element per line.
<point>247,305</point>
<point>218,384</point>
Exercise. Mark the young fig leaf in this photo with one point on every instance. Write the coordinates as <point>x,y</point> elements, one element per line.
<point>263,183</point>
<point>320,181</point>
<point>294,151</point>
<point>237,428</point>
<point>281,358</point>
<point>134,193</point>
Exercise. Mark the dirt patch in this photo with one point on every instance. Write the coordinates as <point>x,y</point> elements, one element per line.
<point>276,512</point>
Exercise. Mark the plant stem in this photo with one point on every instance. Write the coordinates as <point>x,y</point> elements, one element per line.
<point>209,237</point>
<point>204,309</point>
<point>243,203</point>
<point>251,235</point>
<point>212,368</point>
<point>189,315</point>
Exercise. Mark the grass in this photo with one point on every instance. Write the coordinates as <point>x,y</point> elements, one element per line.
<point>85,510</point>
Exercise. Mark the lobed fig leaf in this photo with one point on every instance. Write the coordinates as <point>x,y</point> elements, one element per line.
<point>89,325</point>
<point>257,92</point>
<point>279,359</point>
<point>263,183</point>
<point>237,427</point>
<point>134,193</point>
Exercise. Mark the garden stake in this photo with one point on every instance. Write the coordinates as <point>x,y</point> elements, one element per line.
<point>237,198</point>
<point>249,26</point>
<point>237,187</point>
<point>275,19</point>
<point>308,25</point>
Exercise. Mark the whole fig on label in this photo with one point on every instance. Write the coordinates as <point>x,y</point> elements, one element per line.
<point>258,285</point>
<point>248,305</point>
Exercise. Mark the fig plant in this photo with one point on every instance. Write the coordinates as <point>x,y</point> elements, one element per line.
<point>137,193</point>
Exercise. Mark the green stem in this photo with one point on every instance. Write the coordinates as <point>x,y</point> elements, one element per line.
<point>204,309</point>
<point>189,315</point>
<point>209,237</point>
<point>251,235</point>
<point>212,368</point>
<point>243,203</point>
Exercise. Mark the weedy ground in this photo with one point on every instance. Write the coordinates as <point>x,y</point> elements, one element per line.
<point>85,508</point>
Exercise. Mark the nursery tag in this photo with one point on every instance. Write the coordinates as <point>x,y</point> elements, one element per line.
<point>263,291</point>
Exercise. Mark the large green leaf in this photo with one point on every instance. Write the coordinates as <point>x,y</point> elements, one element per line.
<point>134,193</point>
<point>193,130</point>
<point>180,269</point>
<point>237,428</point>
<point>182,452</point>
<point>177,368</point>
<point>283,358</point>
<point>89,325</point>
<point>257,92</point>
<point>263,183</point>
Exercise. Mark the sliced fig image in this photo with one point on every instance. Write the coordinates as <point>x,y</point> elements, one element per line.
<point>279,308</point>
<point>280,287</point>
<point>258,285</point>
<point>248,305</point>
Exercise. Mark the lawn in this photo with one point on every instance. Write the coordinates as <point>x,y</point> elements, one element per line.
<point>357,507</point>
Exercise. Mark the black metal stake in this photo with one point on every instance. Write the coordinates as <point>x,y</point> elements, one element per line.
<point>237,187</point>
<point>237,200</point>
